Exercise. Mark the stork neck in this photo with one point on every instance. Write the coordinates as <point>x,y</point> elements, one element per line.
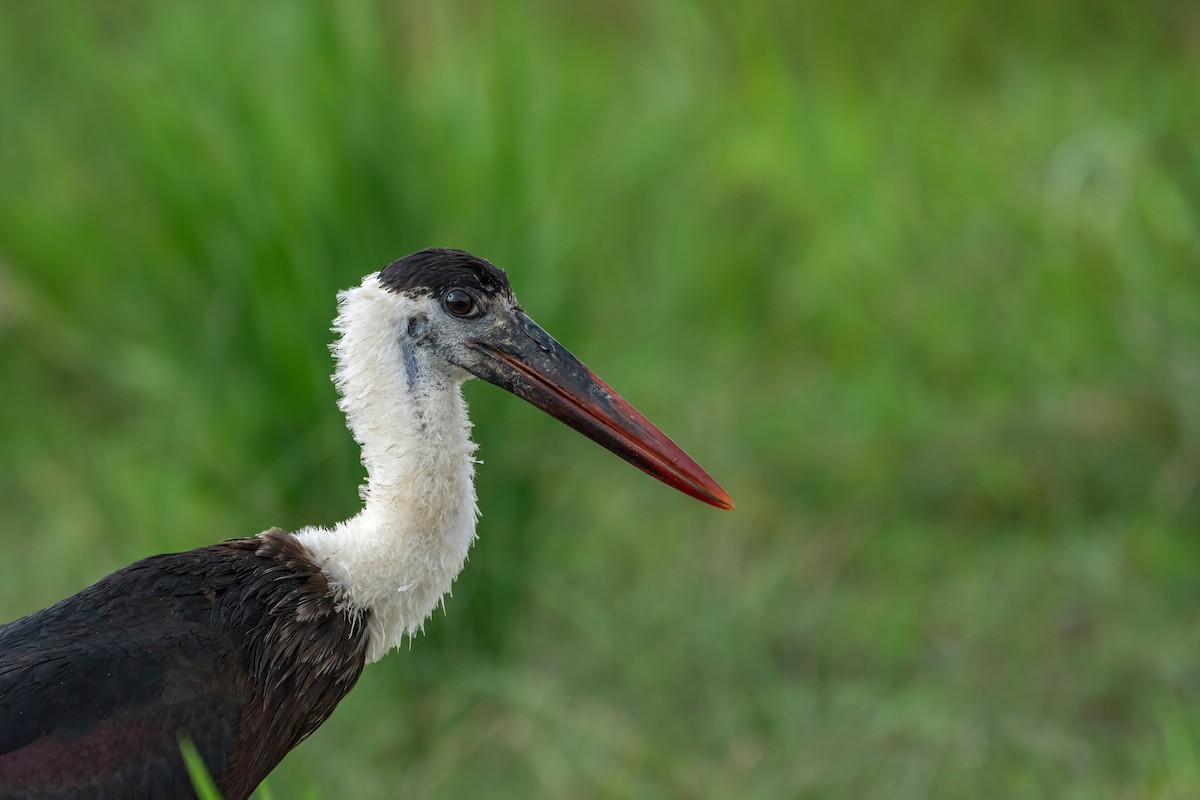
<point>396,558</point>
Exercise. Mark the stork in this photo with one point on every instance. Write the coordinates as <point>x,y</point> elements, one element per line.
<point>245,647</point>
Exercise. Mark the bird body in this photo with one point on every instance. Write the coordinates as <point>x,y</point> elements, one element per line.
<point>247,646</point>
<point>95,691</point>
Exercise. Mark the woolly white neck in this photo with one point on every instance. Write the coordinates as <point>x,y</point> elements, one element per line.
<point>398,556</point>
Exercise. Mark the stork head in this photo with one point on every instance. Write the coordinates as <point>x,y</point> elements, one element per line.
<point>459,318</point>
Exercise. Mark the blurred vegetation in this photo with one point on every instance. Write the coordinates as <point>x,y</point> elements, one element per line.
<point>917,282</point>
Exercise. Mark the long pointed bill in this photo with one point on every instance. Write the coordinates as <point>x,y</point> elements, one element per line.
<point>521,357</point>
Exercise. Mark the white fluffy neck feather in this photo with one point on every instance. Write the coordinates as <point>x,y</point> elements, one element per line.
<point>398,556</point>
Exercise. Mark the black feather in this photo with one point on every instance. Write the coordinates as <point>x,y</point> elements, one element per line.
<point>239,647</point>
<point>435,271</point>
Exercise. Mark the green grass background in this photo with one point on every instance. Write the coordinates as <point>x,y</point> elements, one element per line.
<point>919,283</point>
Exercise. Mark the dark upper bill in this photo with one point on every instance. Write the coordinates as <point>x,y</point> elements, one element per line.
<point>527,361</point>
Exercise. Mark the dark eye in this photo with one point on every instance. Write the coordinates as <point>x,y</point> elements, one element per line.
<point>460,303</point>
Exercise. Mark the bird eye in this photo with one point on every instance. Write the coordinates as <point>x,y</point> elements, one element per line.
<point>460,303</point>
